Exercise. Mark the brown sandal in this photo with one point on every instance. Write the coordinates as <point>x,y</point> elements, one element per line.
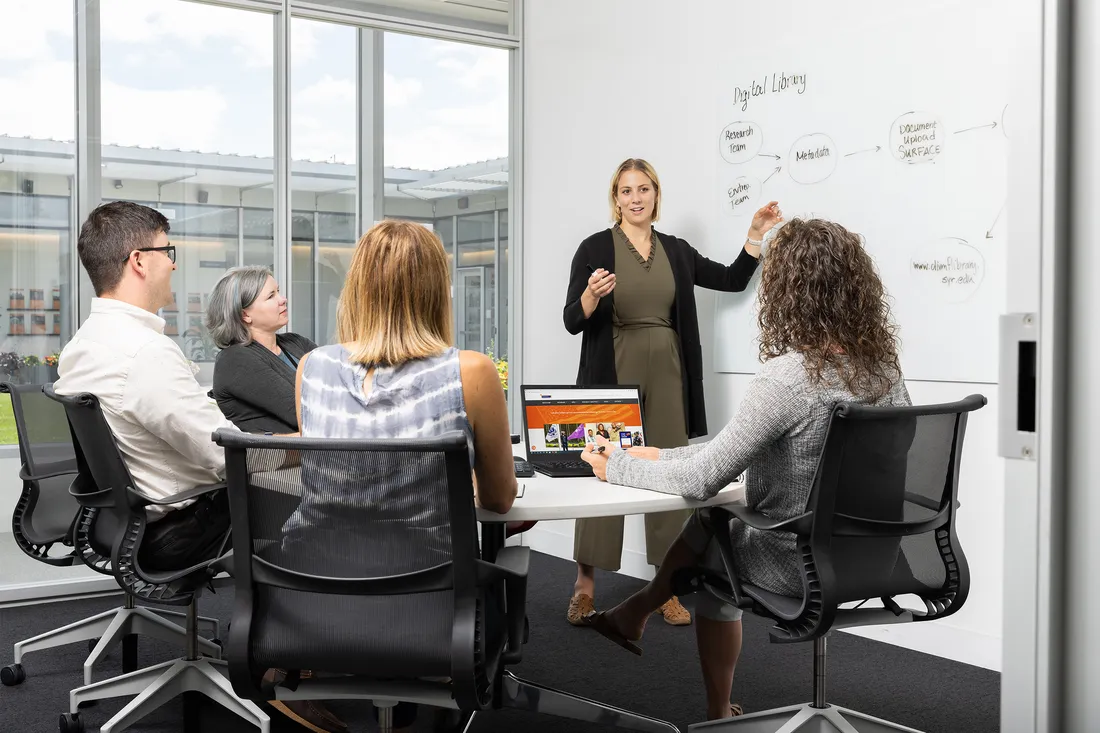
<point>736,710</point>
<point>598,621</point>
<point>580,606</point>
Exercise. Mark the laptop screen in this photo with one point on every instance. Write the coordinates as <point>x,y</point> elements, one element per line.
<point>560,419</point>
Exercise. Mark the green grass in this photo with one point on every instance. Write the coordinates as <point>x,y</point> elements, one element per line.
<point>7,422</point>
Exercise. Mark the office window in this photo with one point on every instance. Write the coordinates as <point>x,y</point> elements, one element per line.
<point>37,166</point>
<point>323,180</point>
<point>446,159</point>
<point>482,15</point>
<point>181,135</point>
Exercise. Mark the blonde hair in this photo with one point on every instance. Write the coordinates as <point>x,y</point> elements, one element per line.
<point>396,302</point>
<point>642,166</point>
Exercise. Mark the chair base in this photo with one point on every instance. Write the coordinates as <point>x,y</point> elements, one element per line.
<point>802,719</point>
<point>521,694</point>
<point>155,686</point>
<point>111,627</point>
<point>516,693</point>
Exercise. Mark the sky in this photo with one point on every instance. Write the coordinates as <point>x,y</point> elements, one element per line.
<point>181,75</point>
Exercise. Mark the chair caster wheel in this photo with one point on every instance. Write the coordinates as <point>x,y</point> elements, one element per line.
<point>92,643</point>
<point>12,675</point>
<point>69,723</point>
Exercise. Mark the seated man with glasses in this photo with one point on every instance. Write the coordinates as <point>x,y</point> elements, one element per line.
<point>160,416</point>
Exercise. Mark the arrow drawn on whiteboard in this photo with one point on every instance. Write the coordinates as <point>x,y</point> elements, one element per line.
<point>767,155</point>
<point>777,169</point>
<point>991,125</point>
<point>868,150</point>
<point>989,232</point>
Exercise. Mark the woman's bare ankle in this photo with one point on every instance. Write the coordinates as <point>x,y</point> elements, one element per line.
<point>628,619</point>
<point>586,581</point>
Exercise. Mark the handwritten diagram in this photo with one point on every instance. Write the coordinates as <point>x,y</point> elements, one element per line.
<point>900,137</point>
<point>948,269</point>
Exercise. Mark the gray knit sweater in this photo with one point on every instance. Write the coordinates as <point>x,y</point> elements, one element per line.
<point>776,436</point>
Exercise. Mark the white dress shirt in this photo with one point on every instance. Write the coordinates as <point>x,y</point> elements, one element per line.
<point>160,416</point>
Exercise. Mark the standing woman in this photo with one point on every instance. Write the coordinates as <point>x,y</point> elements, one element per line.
<point>647,333</point>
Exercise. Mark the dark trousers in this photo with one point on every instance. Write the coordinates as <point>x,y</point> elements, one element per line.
<point>187,536</point>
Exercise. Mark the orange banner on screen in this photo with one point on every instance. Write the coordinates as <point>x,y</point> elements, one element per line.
<point>613,414</point>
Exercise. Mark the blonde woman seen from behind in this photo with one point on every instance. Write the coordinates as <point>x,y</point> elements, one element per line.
<point>396,374</point>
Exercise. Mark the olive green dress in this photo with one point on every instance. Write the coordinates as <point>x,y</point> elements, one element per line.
<point>647,353</point>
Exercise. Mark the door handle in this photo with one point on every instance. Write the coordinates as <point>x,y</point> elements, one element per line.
<point>1017,391</point>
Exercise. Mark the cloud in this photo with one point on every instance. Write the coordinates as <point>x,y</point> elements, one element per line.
<point>29,110</point>
<point>137,117</point>
<point>465,118</point>
<point>327,90</point>
<point>27,25</point>
<point>451,136</point>
<point>130,116</point>
<point>323,119</point>
<point>399,92</point>
<point>249,35</point>
<point>476,67</point>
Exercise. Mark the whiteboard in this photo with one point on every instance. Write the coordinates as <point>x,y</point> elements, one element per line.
<point>901,135</point>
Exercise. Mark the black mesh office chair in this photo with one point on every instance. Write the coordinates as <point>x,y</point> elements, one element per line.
<point>879,523</point>
<point>117,520</point>
<point>46,516</point>
<point>362,562</point>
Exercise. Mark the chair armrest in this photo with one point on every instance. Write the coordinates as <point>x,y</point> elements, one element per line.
<point>720,517</point>
<point>513,564</point>
<point>183,496</point>
<point>60,470</point>
<point>516,560</point>
<point>756,520</point>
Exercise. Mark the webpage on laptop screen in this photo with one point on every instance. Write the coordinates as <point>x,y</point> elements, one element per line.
<point>567,420</point>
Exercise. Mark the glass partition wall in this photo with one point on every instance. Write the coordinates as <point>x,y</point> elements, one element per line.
<point>268,133</point>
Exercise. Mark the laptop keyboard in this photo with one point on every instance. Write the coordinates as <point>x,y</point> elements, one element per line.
<point>563,462</point>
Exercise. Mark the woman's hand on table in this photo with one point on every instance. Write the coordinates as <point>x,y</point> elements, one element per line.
<point>596,455</point>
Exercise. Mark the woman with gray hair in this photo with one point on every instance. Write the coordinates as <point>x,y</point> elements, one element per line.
<point>254,373</point>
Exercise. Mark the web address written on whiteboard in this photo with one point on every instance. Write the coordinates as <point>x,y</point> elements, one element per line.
<point>776,83</point>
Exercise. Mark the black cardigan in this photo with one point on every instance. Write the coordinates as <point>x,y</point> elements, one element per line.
<point>255,389</point>
<point>689,268</point>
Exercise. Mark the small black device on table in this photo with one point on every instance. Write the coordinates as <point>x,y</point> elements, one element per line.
<point>523,468</point>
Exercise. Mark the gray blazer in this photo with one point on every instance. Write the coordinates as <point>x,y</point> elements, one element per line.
<point>255,389</point>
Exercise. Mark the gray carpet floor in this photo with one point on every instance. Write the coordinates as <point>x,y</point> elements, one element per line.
<point>915,689</point>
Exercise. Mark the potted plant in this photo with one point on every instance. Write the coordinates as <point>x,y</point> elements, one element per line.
<point>10,365</point>
<point>502,367</point>
<point>51,364</point>
<point>35,371</point>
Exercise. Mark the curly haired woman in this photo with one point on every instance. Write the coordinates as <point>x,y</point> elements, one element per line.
<point>826,336</point>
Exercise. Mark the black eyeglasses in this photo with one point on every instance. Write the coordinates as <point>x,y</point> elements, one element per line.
<point>170,250</point>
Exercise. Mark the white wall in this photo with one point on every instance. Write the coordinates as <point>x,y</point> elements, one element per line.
<point>620,77</point>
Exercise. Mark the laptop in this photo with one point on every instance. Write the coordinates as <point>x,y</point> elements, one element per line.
<point>560,421</point>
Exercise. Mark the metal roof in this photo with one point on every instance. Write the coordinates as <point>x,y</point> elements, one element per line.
<point>45,156</point>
